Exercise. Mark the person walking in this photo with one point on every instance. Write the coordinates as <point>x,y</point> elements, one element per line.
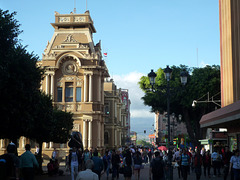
<point>87,174</point>
<point>216,162</point>
<point>115,164</point>
<point>137,164</point>
<point>106,162</point>
<point>185,161</point>
<point>207,163</point>
<point>74,162</point>
<point>10,169</point>
<point>226,161</point>
<point>98,164</point>
<point>27,163</point>
<point>156,171</point>
<point>127,162</point>
<point>198,164</point>
<point>235,165</point>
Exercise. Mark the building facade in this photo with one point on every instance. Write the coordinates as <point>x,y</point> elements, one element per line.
<point>161,128</point>
<point>228,117</point>
<point>115,129</point>
<point>74,75</point>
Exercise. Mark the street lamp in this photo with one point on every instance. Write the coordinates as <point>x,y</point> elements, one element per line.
<point>183,76</point>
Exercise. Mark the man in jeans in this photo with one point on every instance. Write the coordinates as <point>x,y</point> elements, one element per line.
<point>216,162</point>
<point>27,163</point>
<point>74,162</point>
<point>185,162</point>
<point>156,170</point>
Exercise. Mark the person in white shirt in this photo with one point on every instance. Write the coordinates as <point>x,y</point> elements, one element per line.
<point>87,174</point>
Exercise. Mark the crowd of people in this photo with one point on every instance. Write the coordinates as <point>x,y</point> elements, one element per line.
<point>130,160</point>
<point>90,164</point>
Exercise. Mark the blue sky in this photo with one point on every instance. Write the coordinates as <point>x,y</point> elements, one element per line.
<point>137,35</point>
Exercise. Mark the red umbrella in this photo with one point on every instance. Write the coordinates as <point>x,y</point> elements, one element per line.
<point>163,148</point>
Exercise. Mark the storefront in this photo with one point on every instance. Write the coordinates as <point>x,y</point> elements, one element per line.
<point>227,117</point>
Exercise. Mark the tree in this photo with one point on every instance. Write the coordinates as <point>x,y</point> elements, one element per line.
<point>19,79</point>
<point>200,82</point>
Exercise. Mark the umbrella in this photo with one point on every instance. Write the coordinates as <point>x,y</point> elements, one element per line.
<point>163,148</point>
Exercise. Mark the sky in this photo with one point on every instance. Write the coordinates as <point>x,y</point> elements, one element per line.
<point>138,35</point>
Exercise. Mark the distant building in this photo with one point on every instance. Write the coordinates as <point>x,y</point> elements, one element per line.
<point>133,136</point>
<point>161,127</point>
<point>116,113</point>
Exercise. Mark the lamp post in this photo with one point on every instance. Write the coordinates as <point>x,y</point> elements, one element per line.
<point>183,76</point>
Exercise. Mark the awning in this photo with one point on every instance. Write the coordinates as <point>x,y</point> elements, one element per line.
<point>228,116</point>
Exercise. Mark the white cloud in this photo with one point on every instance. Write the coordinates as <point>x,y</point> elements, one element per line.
<point>141,113</point>
<point>141,117</point>
<point>203,64</point>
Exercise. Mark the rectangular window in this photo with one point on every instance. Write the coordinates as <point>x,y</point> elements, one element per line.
<point>59,94</point>
<point>69,92</point>
<point>79,94</point>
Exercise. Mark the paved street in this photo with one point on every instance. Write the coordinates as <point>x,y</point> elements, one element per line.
<point>143,176</point>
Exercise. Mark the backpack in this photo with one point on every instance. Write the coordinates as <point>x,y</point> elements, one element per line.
<point>157,168</point>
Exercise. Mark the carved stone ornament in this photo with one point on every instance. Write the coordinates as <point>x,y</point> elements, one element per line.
<point>70,38</point>
<point>69,68</point>
<point>64,19</point>
<point>79,19</point>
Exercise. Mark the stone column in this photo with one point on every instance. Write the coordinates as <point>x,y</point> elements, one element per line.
<point>99,134</point>
<point>90,87</point>
<point>84,134</point>
<point>85,88</point>
<point>51,145</point>
<point>90,134</point>
<point>102,124</point>
<point>1,143</point>
<point>52,86</point>
<point>99,87</point>
<point>47,83</point>
<point>44,145</point>
<point>23,142</point>
<point>115,137</point>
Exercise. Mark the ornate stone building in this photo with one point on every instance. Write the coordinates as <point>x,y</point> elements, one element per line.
<point>75,75</point>
<point>116,113</point>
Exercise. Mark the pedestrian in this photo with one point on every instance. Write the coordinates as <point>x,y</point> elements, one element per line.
<point>235,165</point>
<point>74,162</point>
<point>144,155</point>
<point>137,164</point>
<point>115,164</point>
<point>226,161</point>
<point>207,163</point>
<point>9,168</point>
<point>27,163</point>
<point>178,159</point>
<point>150,155</point>
<point>98,164</point>
<point>127,163</point>
<point>216,162</point>
<point>198,164</point>
<point>156,171</point>
<point>87,174</point>
<point>185,161</point>
<point>54,154</point>
<point>106,162</point>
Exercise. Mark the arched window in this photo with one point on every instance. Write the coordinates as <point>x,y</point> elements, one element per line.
<point>106,138</point>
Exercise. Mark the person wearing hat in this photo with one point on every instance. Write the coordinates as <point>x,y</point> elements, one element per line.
<point>11,163</point>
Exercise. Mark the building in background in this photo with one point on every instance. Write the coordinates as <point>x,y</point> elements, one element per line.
<point>161,128</point>
<point>228,116</point>
<point>133,136</point>
<point>116,112</point>
<point>126,101</point>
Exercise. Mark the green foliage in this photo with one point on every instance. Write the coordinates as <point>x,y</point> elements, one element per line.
<point>19,79</point>
<point>143,143</point>
<point>200,82</point>
<point>62,126</point>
